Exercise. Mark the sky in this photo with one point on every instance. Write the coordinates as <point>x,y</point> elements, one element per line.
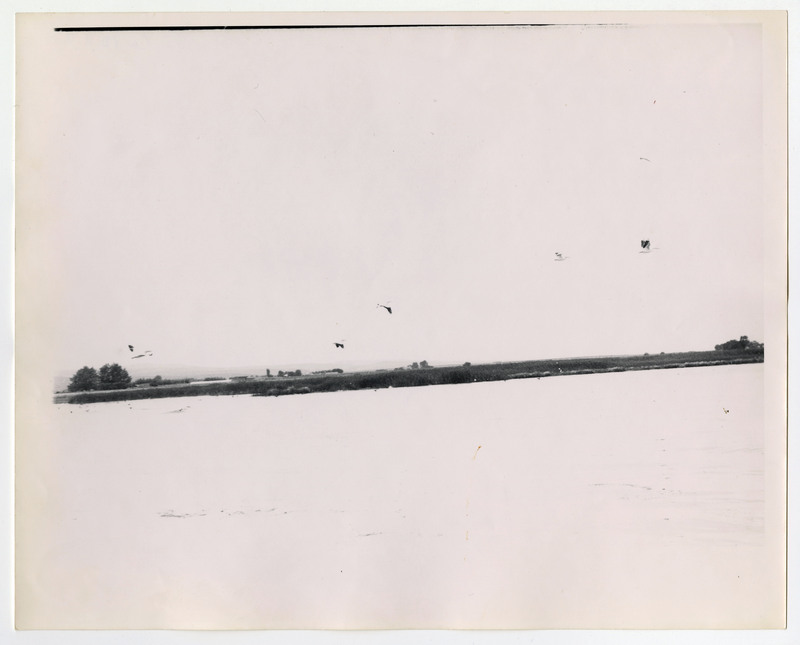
<point>250,197</point>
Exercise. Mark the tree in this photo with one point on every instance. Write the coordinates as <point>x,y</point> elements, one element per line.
<point>743,343</point>
<point>84,379</point>
<point>114,377</point>
<point>424,365</point>
<point>414,365</point>
<point>156,381</point>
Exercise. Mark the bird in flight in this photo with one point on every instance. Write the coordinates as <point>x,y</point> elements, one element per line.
<point>559,257</point>
<point>644,159</point>
<point>146,353</point>
<point>130,347</point>
<point>389,309</point>
<point>646,245</point>
<point>339,345</point>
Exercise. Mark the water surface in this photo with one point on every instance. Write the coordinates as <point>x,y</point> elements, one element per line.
<point>627,500</point>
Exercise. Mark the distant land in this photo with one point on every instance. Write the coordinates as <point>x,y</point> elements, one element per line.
<point>199,372</point>
<point>410,376</point>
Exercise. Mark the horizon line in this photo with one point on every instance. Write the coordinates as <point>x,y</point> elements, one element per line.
<point>358,365</point>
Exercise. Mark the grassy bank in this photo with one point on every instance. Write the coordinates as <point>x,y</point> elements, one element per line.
<point>405,377</point>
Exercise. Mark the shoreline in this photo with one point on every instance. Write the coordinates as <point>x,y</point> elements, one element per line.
<point>420,377</point>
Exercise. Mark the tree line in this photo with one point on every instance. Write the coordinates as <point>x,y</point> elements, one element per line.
<point>111,376</point>
<point>743,343</point>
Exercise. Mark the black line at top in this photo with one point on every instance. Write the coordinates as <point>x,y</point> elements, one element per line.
<point>275,27</point>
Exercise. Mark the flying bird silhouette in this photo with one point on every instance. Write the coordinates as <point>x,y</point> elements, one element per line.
<point>130,347</point>
<point>389,309</point>
<point>339,345</point>
<point>646,245</point>
<point>146,353</point>
<point>559,257</point>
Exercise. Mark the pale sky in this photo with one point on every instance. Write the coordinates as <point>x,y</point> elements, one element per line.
<point>249,197</point>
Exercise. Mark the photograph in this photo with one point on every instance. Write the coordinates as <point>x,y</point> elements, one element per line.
<point>401,321</point>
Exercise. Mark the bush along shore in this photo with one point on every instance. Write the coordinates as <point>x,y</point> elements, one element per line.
<point>335,381</point>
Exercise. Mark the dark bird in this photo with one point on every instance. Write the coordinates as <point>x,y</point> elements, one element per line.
<point>130,347</point>
<point>146,353</point>
<point>389,309</point>
<point>646,245</point>
<point>644,159</point>
<point>559,257</point>
<point>339,345</point>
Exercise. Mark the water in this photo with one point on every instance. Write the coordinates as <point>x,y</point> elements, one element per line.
<point>618,500</point>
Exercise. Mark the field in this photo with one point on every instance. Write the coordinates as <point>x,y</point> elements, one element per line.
<point>406,377</point>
